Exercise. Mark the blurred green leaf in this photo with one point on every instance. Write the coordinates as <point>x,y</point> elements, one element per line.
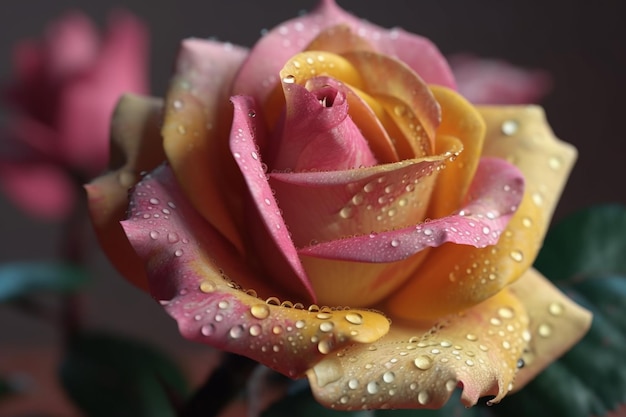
<point>586,257</point>
<point>107,376</point>
<point>590,242</point>
<point>24,278</point>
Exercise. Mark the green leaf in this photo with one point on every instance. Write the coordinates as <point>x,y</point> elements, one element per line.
<point>24,278</point>
<point>592,241</point>
<point>110,376</point>
<point>586,256</point>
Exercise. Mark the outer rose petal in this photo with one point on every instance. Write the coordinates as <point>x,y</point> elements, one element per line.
<point>521,135</point>
<point>257,75</point>
<point>43,190</point>
<point>120,68</point>
<point>136,147</point>
<point>197,119</point>
<point>495,194</point>
<point>419,366</point>
<point>556,323</point>
<point>178,248</point>
<point>491,81</point>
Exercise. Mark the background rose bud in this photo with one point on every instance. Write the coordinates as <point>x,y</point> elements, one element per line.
<point>65,88</point>
<point>255,207</point>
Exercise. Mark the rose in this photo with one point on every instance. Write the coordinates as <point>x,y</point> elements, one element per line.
<point>65,89</point>
<point>295,190</point>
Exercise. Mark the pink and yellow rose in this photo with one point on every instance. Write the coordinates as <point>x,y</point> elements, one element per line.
<point>64,91</point>
<point>335,165</point>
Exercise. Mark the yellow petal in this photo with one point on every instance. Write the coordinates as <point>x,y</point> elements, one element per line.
<point>556,323</point>
<point>406,98</point>
<point>136,147</point>
<point>195,131</point>
<point>419,366</point>
<point>460,120</point>
<point>455,277</point>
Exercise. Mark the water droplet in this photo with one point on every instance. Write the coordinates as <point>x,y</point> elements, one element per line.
<point>527,222</point>
<point>388,377</point>
<point>181,129</point>
<point>255,330</point>
<point>423,362</point>
<point>471,337</point>
<point>428,231</point>
<point>450,385</point>
<point>172,237</point>
<point>554,162</point>
<point>506,313</point>
<point>207,329</point>
<point>509,127</point>
<point>346,212</point>
<point>178,253</point>
<point>236,332</point>
<point>260,311</point>
<point>324,347</point>
<point>251,113</point>
<point>373,387</point>
<point>289,79</point>
<point>544,330</point>
<point>469,362</point>
<point>326,326</point>
<point>353,384</point>
<point>277,329</point>
<point>395,243</point>
<point>223,304</point>
<point>517,255</point>
<point>207,286</point>
<point>154,235</point>
<point>344,399</point>
<point>357,199</point>
<point>556,308</point>
<point>399,110</point>
<point>354,318</point>
<point>537,199</point>
<point>154,201</point>
<point>423,397</point>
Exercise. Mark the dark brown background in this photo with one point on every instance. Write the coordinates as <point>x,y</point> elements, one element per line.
<point>581,45</point>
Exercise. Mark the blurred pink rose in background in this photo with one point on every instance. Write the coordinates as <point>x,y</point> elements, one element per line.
<point>494,81</point>
<point>64,90</point>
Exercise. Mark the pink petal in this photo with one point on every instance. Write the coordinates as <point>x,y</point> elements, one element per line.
<point>323,206</point>
<point>205,297</point>
<point>491,81</point>
<point>86,103</point>
<point>317,133</point>
<point>71,46</point>
<point>257,76</point>
<point>493,197</point>
<point>243,144</point>
<point>42,190</point>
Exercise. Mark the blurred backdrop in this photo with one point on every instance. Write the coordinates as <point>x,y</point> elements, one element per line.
<point>580,45</point>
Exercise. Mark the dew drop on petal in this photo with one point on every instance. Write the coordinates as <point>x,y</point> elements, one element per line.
<point>260,311</point>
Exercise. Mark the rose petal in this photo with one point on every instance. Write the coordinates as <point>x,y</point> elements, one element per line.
<point>71,45</point>
<point>467,275</point>
<point>178,248</point>
<point>121,68</point>
<point>492,199</point>
<point>136,147</point>
<point>492,81</point>
<point>196,121</point>
<point>556,323</point>
<point>459,119</point>
<point>43,190</point>
<point>257,76</point>
<point>317,133</point>
<point>245,130</point>
<point>419,367</point>
<point>406,98</point>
